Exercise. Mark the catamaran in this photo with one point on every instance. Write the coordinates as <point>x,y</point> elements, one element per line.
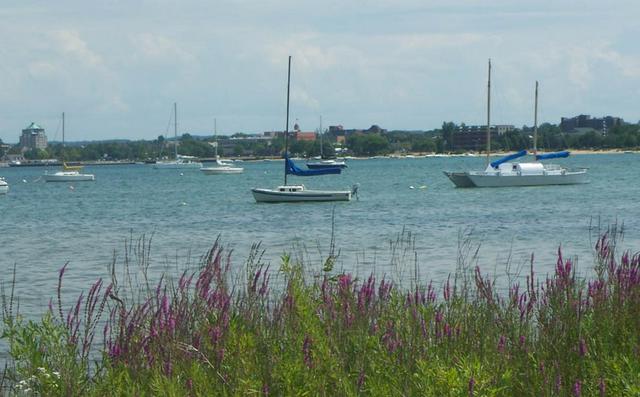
<point>299,193</point>
<point>504,173</point>
<point>180,162</point>
<point>222,166</point>
<point>69,173</point>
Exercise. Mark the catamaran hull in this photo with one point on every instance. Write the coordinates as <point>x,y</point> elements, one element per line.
<point>464,179</point>
<point>221,170</point>
<point>460,179</point>
<point>273,196</point>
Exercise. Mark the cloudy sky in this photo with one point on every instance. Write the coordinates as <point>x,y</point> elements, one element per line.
<point>116,67</point>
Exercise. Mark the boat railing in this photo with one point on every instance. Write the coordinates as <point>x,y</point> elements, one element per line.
<point>553,167</point>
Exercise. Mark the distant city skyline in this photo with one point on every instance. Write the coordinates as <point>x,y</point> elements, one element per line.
<point>116,68</point>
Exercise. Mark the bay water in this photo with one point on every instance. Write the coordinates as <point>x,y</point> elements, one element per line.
<point>45,225</point>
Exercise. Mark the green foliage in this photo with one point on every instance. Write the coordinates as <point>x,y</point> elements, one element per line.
<point>368,144</point>
<point>332,334</point>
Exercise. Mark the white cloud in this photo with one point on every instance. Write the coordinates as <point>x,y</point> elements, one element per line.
<point>159,47</point>
<point>70,42</point>
<point>42,69</point>
<point>428,41</point>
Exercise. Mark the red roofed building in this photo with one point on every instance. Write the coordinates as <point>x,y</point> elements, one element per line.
<point>305,136</point>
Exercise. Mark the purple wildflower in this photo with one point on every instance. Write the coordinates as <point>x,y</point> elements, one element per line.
<point>582,348</point>
<point>472,383</point>
<point>501,343</point>
<point>306,351</point>
<point>361,379</point>
<point>577,389</point>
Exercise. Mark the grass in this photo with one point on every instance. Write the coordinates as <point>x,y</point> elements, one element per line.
<point>211,332</point>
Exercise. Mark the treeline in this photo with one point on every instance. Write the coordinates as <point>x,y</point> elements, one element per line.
<point>441,140</point>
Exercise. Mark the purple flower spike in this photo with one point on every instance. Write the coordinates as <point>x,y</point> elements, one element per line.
<point>582,347</point>
<point>577,389</point>
<point>361,379</point>
<point>472,383</point>
<point>306,351</point>
<point>501,343</point>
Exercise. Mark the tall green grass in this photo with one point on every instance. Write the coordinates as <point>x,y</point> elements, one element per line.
<point>210,332</point>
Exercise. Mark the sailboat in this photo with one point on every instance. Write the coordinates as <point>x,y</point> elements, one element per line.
<point>504,173</point>
<point>4,186</point>
<point>180,162</point>
<point>69,173</point>
<point>222,166</point>
<point>299,193</point>
<point>324,162</point>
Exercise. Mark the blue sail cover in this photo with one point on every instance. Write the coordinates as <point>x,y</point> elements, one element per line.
<point>496,163</point>
<point>552,155</point>
<point>294,170</point>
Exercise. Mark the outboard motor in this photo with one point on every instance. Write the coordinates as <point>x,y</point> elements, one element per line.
<point>354,190</point>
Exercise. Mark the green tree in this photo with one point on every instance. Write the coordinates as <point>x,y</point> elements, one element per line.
<point>368,144</point>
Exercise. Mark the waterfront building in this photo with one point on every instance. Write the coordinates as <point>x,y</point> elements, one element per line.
<point>585,121</point>
<point>33,137</point>
<point>474,137</point>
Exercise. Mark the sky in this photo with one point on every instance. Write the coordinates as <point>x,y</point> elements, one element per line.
<point>116,67</point>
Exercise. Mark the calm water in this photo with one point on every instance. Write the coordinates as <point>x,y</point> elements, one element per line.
<point>44,225</point>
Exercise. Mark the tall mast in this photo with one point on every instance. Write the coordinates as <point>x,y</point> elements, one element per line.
<point>286,131</point>
<point>321,137</point>
<point>489,115</point>
<point>175,127</point>
<point>535,124</point>
<point>62,138</point>
<point>215,134</point>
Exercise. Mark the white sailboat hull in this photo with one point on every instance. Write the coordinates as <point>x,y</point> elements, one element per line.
<point>4,186</point>
<point>277,196</point>
<point>221,170</point>
<point>567,178</point>
<point>484,179</point>
<point>326,164</point>
<point>172,165</point>
<point>68,176</point>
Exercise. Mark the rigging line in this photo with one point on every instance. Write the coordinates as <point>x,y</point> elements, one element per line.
<point>166,131</point>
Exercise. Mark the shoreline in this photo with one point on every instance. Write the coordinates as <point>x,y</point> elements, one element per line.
<point>256,159</point>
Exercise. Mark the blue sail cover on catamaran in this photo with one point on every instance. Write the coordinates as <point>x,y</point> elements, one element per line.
<point>294,170</point>
<point>552,155</point>
<point>496,163</point>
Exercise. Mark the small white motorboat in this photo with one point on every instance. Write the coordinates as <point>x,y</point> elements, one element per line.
<point>68,176</point>
<point>4,186</point>
<point>222,167</point>
<point>180,163</point>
